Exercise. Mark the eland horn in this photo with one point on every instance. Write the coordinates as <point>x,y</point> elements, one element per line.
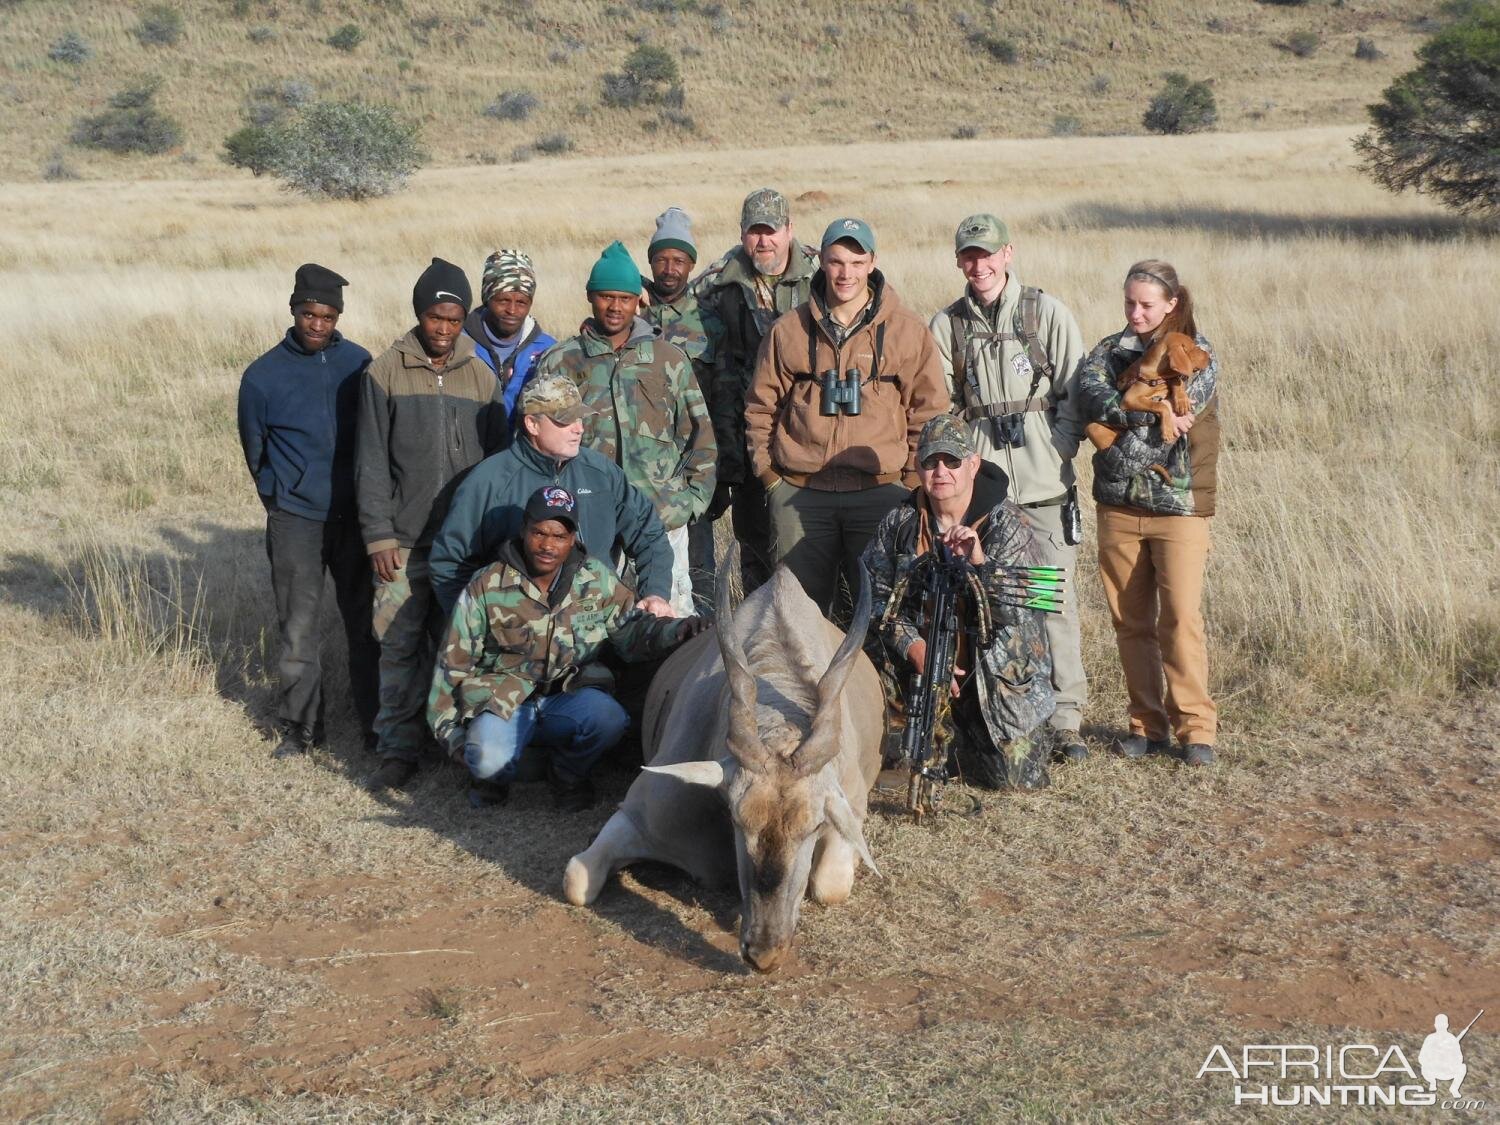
<point>822,741</point>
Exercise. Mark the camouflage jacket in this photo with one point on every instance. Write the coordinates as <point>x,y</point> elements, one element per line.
<point>508,638</point>
<point>692,327</point>
<point>1123,474</point>
<point>1014,675</point>
<point>727,291</point>
<point>649,416</point>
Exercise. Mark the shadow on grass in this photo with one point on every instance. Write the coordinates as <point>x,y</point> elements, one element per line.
<point>1244,223</point>
<point>532,843</point>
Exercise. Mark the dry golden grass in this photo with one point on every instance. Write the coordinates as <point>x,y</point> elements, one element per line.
<point>189,931</point>
<point>775,72</point>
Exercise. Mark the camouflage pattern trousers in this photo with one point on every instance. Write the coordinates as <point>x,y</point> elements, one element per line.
<point>407,625</point>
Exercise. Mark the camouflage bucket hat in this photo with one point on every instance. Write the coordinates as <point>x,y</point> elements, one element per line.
<point>984,231</point>
<point>554,396</point>
<point>944,434</point>
<point>764,208</point>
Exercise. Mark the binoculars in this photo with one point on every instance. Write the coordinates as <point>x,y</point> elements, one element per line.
<point>840,396</point>
<point>1007,430</point>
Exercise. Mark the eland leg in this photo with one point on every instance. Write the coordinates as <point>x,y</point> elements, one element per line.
<point>619,842</point>
<point>832,870</point>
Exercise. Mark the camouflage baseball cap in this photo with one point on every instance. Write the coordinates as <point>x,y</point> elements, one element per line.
<point>764,207</point>
<point>984,231</point>
<point>554,396</point>
<point>944,434</point>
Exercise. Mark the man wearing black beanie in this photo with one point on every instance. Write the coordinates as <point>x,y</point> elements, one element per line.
<point>430,409</point>
<point>298,406</point>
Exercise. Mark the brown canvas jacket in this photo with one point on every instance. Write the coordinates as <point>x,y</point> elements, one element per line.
<point>790,439</point>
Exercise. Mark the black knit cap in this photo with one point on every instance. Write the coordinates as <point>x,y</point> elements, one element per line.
<point>441,281</point>
<point>320,284</point>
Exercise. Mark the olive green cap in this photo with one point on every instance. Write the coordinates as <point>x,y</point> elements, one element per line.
<point>985,231</point>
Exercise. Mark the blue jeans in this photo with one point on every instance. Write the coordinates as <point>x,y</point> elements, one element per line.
<point>578,726</point>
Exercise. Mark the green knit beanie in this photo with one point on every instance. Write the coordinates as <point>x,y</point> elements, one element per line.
<point>614,272</point>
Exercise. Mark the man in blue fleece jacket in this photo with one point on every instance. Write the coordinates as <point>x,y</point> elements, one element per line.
<point>488,508</point>
<point>298,405</point>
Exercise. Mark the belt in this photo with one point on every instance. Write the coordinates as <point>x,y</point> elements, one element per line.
<point>1054,502</point>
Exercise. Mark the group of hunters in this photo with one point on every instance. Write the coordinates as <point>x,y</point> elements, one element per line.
<point>508,516</point>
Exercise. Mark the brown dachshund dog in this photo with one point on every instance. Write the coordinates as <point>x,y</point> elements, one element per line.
<point>1156,383</point>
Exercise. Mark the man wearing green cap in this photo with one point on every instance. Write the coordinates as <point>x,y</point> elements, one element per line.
<point>647,413</point>
<point>1010,354</point>
<point>842,388</point>
<point>769,273</point>
<point>1003,693</point>
<point>675,309</point>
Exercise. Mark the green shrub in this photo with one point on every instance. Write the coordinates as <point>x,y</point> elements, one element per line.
<point>70,48</point>
<point>965,132</point>
<point>1181,107</point>
<point>252,148</point>
<point>1303,44</point>
<point>131,124</point>
<point>512,105</point>
<point>554,144</point>
<point>1066,125</point>
<point>1001,50</point>
<point>1437,128</point>
<point>346,150</point>
<point>346,38</point>
<point>159,26</point>
<point>647,73</point>
<point>58,170</point>
<point>1366,51</point>
<point>261,34</point>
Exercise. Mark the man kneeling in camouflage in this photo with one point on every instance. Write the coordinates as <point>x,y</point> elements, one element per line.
<point>1005,692</point>
<point>517,661</point>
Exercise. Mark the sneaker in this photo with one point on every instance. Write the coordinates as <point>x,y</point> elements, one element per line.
<point>1197,754</point>
<point>296,739</point>
<point>1069,746</point>
<point>1138,746</point>
<point>393,773</point>
<point>487,794</point>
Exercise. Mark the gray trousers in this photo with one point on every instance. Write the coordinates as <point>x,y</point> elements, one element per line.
<point>820,535</point>
<point>1063,636</point>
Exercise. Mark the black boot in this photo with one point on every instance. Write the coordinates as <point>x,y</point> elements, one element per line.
<point>295,739</point>
<point>487,794</point>
<point>571,794</point>
<point>393,773</point>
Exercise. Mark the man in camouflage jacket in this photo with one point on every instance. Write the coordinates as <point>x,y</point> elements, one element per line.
<point>768,274</point>
<point>1006,695</point>
<point>648,414</point>
<point>517,658</point>
<point>674,308</point>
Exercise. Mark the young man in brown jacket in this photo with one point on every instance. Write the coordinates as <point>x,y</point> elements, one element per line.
<point>430,409</point>
<point>842,389</point>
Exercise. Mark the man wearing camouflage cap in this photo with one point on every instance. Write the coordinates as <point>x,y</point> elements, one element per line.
<point>1011,355</point>
<point>519,661</point>
<point>1004,694</point>
<point>769,273</point>
<point>487,508</point>
<point>506,336</point>
<point>646,412</point>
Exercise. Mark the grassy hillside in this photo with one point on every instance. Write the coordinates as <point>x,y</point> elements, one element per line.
<point>755,73</point>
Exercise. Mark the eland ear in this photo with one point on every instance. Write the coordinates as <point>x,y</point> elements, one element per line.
<point>709,773</point>
<point>847,823</point>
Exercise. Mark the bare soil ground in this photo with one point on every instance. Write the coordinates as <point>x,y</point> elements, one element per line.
<point>1333,883</point>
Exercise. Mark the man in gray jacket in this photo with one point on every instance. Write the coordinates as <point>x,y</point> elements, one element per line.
<point>430,409</point>
<point>1010,354</point>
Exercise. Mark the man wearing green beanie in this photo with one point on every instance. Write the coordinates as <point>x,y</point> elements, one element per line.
<point>647,413</point>
<point>675,309</point>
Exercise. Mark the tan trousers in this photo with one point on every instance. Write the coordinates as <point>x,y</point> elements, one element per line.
<point>1152,567</point>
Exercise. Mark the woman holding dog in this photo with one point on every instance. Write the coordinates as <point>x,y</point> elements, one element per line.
<point>1155,494</point>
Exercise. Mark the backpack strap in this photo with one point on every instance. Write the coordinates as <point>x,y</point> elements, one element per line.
<point>1028,330</point>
